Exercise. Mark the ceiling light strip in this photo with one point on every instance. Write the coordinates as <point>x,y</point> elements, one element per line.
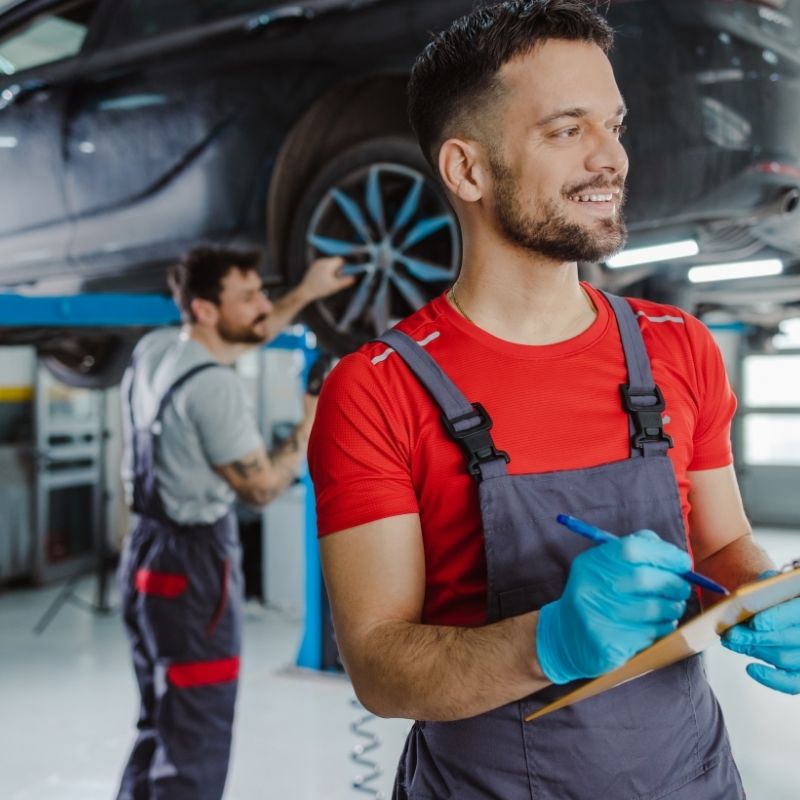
<point>736,271</point>
<point>648,255</point>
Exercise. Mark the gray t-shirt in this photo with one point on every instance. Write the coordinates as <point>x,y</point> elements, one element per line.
<point>209,421</point>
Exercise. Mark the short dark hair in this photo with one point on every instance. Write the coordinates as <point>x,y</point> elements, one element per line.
<point>456,74</point>
<point>200,272</point>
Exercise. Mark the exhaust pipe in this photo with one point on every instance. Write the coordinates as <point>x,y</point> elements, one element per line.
<point>786,202</point>
<point>789,200</point>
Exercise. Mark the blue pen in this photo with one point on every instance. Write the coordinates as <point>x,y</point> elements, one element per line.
<point>598,535</point>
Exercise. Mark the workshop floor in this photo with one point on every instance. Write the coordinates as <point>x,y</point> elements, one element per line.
<point>67,708</point>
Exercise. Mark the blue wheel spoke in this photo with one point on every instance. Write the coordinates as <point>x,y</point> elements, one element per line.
<point>409,207</point>
<point>424,270</point>
<point>380,305</point>
<point>374,200</point>
<point>394,226</point>
<point>357,304</point>
<point>356,269</point>
<point>410,291</point>
<point>335,247</point>
<point>423,229</point>
<point>353,213</point>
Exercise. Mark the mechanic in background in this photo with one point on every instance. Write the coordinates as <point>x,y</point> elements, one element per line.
<point>192,446</point>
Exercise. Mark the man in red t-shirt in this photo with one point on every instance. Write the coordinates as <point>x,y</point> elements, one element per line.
<point>379,449</point>
<point>456,600</point>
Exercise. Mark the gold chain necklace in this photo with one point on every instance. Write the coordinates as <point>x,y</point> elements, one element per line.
<point>469,319</point>
<point>457,304</point>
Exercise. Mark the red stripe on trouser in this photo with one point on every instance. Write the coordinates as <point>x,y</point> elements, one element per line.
<point>223,598</point>
<point>162,584</point>
<point>203,673</point>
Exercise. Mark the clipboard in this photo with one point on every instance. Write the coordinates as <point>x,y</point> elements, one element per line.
<point>692,637</point>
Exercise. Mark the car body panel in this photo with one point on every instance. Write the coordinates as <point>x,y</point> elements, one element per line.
<point>34,221</point>
<point>171,159</point>
<point>153,139</point>
<point>171,138</point>
<point>721,88</point>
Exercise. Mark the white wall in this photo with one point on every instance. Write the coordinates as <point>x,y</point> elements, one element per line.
<point>17,366</point>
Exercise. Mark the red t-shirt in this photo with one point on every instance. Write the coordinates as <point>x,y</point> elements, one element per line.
<point>379,449</point>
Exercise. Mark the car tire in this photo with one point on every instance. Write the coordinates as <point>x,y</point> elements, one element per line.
<point>88,362</point>
<point>394,278</point>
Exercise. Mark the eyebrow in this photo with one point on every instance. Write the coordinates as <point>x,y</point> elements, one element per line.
<point>575,113</point>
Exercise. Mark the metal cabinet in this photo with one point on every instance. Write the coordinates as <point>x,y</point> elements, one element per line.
<point>69,438</point>
<point>16,541</point>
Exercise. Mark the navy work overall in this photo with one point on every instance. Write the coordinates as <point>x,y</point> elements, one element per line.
<point>181,591</point>
<point>661,736</point>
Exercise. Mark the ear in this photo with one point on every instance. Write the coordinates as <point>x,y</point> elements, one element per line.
<point>204,311</point>
<point>462,170</point>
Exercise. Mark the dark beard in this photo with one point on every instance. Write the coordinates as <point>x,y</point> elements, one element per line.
<point>240,334</point>
<point>551,234</point>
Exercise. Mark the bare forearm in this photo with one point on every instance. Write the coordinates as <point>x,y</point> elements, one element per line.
<point>259,478</point>
<point>441,673</point>
<point>721,536</point>
<point>741,561</point>
<point>285,310</point>
<point>287,460</point>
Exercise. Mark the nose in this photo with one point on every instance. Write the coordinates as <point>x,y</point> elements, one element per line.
<point>266,304</point>
<point>608,156</point>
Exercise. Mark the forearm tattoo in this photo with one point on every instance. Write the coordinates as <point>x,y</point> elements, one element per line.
<point>250,467</point>
<point>287,457</point>
<point>290,444</point>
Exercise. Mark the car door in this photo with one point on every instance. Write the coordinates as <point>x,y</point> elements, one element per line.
<point>40,46</point>
<point>150,134</point>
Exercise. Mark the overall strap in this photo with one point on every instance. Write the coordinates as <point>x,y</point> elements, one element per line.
<point>641,398</point>
<point>467,423</point>
<point>177,385</point>
<point>156,423</point>
<point>146,498</point>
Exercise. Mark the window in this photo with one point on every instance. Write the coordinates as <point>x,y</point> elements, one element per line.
<point>771,422</point>
<point>772,440</point>
<point>772,381</point>
<point>143,19</point>
<point>46,38</point>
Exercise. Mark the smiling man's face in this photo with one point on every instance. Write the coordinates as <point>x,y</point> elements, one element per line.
<point>558,166</point>
<point>243,308</point>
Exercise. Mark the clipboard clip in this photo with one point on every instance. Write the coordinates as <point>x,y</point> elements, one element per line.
<point>792,565</point>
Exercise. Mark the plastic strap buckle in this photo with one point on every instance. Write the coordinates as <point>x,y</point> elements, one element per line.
<point>476,441</point>
<point>647,421</point>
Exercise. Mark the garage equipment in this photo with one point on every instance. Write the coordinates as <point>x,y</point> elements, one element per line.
<point>360,753</point>
<point>63,445</point>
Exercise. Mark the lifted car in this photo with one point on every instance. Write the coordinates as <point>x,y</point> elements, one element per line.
<point>131,130</point>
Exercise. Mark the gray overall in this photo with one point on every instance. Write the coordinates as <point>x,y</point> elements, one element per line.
<point>661,736</point>
<point>181,589</point>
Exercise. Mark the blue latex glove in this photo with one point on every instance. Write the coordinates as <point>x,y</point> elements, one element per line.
<point>772,636</point>
<point>619,598</point>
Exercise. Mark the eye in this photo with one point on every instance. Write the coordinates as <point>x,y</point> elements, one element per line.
<point>567,133</point>
<point>620,130</point>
